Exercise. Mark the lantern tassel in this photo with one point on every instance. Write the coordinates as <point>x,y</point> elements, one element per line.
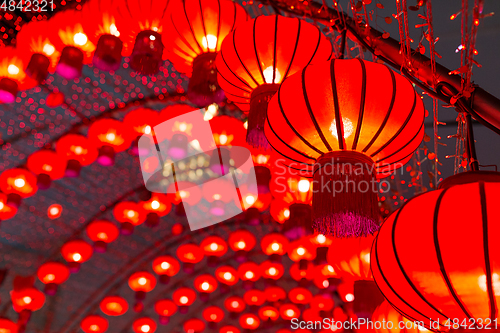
<point>258,114</point>
<point>345,202</point>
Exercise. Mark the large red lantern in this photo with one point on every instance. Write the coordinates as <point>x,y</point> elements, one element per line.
<point>52,274</point>
<point>350,257</point>
<point>144,325</point>
<point>102,232</point>
<point>258,56</point>
<point>78,150</point>
<point>165,308</point>
<point>110,136</point>
<point>94,324</point>
<point>113,305</point>
<point>437,256</point>
<point>48,165</point>
<point>12,74</point>
<point>27,299</point>
<point>379,129</point>
<point>234,304</point>
<point>6,211</point>
<point>17,184</point>
<point>76,252</point>
<point>196,30</point>
<point>165,267</point>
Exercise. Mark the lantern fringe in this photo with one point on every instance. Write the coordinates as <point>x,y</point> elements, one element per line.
<point>345,202</point>
<point>203,88</point>
<point>259,101</point>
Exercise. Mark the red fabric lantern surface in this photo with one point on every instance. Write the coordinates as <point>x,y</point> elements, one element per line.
<point>157,206</point>
<point>6,211</point>
<point>54,211</point>
<point>428,275</point>
<point>249,321</point>
<point>194,325</point>
<point>227,275</point>
<point>102,232</point>
<point>78,150</point>
<point>113,306</point>
<point>52,274</point>
<point>196,30</point>
<point>144,325</point>
<point>165,308</point>
<point>7,326</point>
<point>258,56</point>
<point>228,131</point>
<point>379,128</point>
<point>142,120</point>
<point>48,165</point>
<point>110,136</point>
<point>12,74</point>
<point>205,283</point>
<point>76,252</point>
<point>190,253</point>
<point>213,314</point>
<point>234,304</point>
<point>94,324</point>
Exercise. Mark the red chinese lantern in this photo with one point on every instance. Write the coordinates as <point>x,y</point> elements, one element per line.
<point>113,306</point>
<point>258,56</point>
<point>311,315</point>
<point>395,322</point>
<point>274,294</point>
<point>72,41</point>
<point>272,270</point>
<point>446,265</point>
<point>110,136</point>
<point>12,75</point>
<point>213,314</point>
<point>47,165</point>
<point>303,274</point>
<point>129,214</point>
<point>289,311</point>
<point>241,241</point>
<point>6,211</point>
<point>165,267</point>
<point>301,251</point>
<point>253,204</point>
<point>7,326</point>
<point>205,284</point>
<point>194,325</point>
<point>94,324</point>
<point>274,245</point>
<point>300,295</point>
<point>141,26</point>
<point>17,184</point>
<point>226,329</point>
<point>142,121</point>
<point>102,32</point>
<point>322,303</point>
<point>249,272</point>
<point>234,304</point>
<point>165,308</point>
<point>78,151</point>
<point>219,193</point>
<point>76,252</point>
<point>141,282</point>
<point>195,34</point>
<point>189,254</point>
<point>37,49</point>
<point>214,247</point>
<point>190,194</point>
<point>52,274</point>
<point>269,313</point>
<point>228,131</point>
<point>54,211</point>
<point>325,275</point>
<point>227,275</point>
<point>102,232</point>
<point>249,321</point>
<point>157,206</point>
<point>346,99</point>
<point>183,298</point>
<point>144,325</point>
<point>254,297</point>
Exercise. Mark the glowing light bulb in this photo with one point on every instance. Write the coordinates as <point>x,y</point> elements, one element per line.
<point>209,41</point>
<point>76,257</point>
<point>249,275</point>
<point>304,185</point>
<point>349,297</point>
<point>110,136</point>
<point>78,150</point>
<point>250,321</point>
<point>348,128</point>
<point>19,182</point>
<point>216,196</point>
<point>366,258</point>
<point>326,284</point>
<point>94,327</point>
<point>80,39</point>
<point>223,139</point>
<point>48,49</point>
<point>147,129</point>
<point>300,297</point>
<point>301,251</point>
<point>113,30</point>
<point>1,205</point>
<point>145,328</point>
<point>240,245</point>
<point>275,246</point>
<point>214,246</point>
<point>54,211</point>
<point>290,312</point>
<point>269,74</point>
<point>228,276</point>
<point>183,127</point>
<point>330,268</point>
<point>245,124</point>
<point>495,282</point>
<point>165,265</point>
<point>321,238</point>
<point>142,281</point>
<point>272,271</point>
<point>213,316</point>
<point>102,236</point>
<point>13,69</point>
<point>212,109</point>
<point>130,213</point>
<point>183,194</point>
<point>205,286</point>
<point>250,199</point>
<point>50,277</point>
<point>151,37</point>
<point>155,204</point>
<point>234,304</point>
<point>183,300</point>
<point>286,213</point>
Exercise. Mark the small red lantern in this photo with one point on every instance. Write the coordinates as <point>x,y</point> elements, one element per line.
<point>213,314</point>
<point>303,274</point>
<point>78,150</point>
<point>165,267</point>
<point>113,306</point>
<point>227,275</point>
<point>301,251</point>
<point>249,272</point>
<point>234,304</point>
<point>254,297</point>
<point>350,257</point>
<point>6,211</point>
<point>110,136</point>
<point>289,311</point>
<point>7,326</point>
<point>269,313</point>
<point>274,245</point>
<point>12,75</point>
<point>214,248</point>
<point>184,297</point>
<point>142,121</point>
<point>249,321</point>
<point>157,206</point>
<point>17,184</point>
<point>52,274</point>
<point>54,211</point>
<point>195,34</point>
<point>300,295</point>
<point>76,252</point>
<point>387,314</point>
<point>274,294</point>
<point>322,303</point>
<point>129,214</point>
<point>241,241</point>
<point>272,270</point>
<point>27,299</point>
<point>144,325</point>
<point>194,325</point>
<point>205,284</point>
<point>189,254</point>
<point>190,195</point>
<point>228,131</point>
<point>165,308</point>
<point>102,232</point>
<point>55,98</point>
<point>48,165</point>
<point>141,282</point>
<point>94,324</point>
<point>226,329</point>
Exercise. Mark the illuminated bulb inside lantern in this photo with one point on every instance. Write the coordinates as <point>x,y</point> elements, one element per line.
<point>349,297</point>
<point>290,312</point>
<point>145,328</point>
<point>142,281</point>
<point>245,124</point>
<point>216,196</point>
<point>321,238</point>
<point>47,167</point>
<point>182,127</point>
<point>240,245</point>
<point>78,150</point>
<point>1,205</point>
<point>304,185</point>
<point>54,211</point>
<point>301,251</point>
<point>228,276</point>
<point>250,199</point>
<point>213,316</point>
<point>102,236</point>
<point>212,109</point>
<point>50,277</point>
<point>330,268</point>
<point>326,284</point>
<point>275,246</point>
<point>76,257</point>
<point>94,327</point>
<point>151,37</point>
<point>183,300</point>
<point>250,321</point>
<point>269,74</point>
<point>348,128</point>
<point>165,265</point>
<point>205,286</point>
<point>214,246</point>
<point>261,159</point>
<point>234,304</point>
<point>495,282</point>
<point>80,39</point>
<point>272,271</point>
<point>130,213</point>
<point>209,41</point>
<point>113,30</point>
<point>286,213</point>
<point>19,182</point>
<point>183,194</point>
<point>147,129</point>
<point>155,204</point>
<point>13,69</point>
<point>366,258</point>
<point>110,136</point>
<point>249,275</point>
<point>300,297</point>
<point>223,139</point>
<point>48,49</point>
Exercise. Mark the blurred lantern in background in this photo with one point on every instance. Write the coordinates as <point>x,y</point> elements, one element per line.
<point>258,56</point>
<point>165,267</point>
<point>183,298</point>
<point>241,241</point>
<point>113,305</point>
<point>235,305</point>
<point>76,252</point>
<point>129,214</point>
<point>54,211</point>
<point>213,315</point>
<point>269,313</point>
<point>254,298</point>
<point>274,245</point>
<point>228,276</point>
<point>189,254</point>
<point>25,299</point>
<point>110,136</point>
<point>302,275</point>
<point>299,295</point>
<point>205,284</point>
<point>229,329</point>
<point>165,309</point>
<point>194,325</point>
<point>141,282</point>
<point>271,271</point>
<point>249,272</point>
<point>37,49</point>
<point>8,326</point>
<point>12,74</point>
<point>249,321</point>
<point>274,294</point>
<point>102,232</point>
<point>142,121</point>
<point>78,151</point>
<point>301,251</point>
<point>52,274</point>
<point>48,165</point>
<point>102,32</point>
<point>141,27</point>
<point>6,211</point>
<point>72,41</point>
<point>144,325</point>
<point>214,247</point>
<point>227,131</point>
<point>157,206</point>
<point>196,30</point>
<point>322,243</point>
<point>94,324</point>
<point>289,311</point>
<point>219,192</point>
